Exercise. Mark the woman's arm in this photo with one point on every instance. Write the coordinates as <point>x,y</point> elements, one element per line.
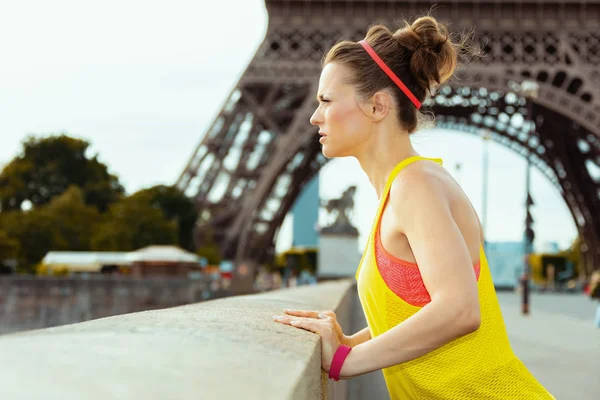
<point>446,268</point>
<point>359,337</point>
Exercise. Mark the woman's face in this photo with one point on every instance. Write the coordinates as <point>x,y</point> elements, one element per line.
<point>342,123</point>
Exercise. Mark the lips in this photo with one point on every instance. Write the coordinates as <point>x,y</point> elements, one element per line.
<point>322,134</point>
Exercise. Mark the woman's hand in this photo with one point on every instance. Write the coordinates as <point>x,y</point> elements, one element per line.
<point>322,323</point>
<point>343,339</point>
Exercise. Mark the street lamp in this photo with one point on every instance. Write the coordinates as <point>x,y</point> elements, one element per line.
<point>457,167</point>
<point>484,191</point>
<point>530,90</point>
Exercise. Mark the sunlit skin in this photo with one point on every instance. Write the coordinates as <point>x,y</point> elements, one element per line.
<point>428,220</point>
<point>367,129</point>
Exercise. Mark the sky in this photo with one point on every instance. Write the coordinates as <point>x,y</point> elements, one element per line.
<point>143,80</point>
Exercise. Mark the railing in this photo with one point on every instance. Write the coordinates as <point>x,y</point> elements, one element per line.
<point>227,348</point>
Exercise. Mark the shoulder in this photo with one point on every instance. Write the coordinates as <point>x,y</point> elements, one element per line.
<point>419,188</point>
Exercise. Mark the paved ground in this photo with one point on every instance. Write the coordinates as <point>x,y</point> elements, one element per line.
<point>558,343</point>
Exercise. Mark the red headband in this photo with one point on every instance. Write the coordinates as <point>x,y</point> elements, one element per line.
<point>391,74</point>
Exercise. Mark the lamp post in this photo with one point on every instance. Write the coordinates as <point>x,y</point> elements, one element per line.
<point>484,195</point>
<point>457,167</point>
<point>529,89</point>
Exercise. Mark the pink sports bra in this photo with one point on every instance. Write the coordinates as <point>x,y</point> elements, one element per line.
<point>403,277</point>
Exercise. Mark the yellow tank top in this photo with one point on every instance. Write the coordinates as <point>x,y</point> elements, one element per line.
<point>480,365</point>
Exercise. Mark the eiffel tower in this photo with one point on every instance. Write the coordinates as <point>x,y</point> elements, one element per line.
<point>260,151</point>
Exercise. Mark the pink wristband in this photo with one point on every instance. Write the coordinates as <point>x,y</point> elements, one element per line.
<point>338,360</point>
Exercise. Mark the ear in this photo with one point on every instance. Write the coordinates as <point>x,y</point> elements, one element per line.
<point>381,103</point>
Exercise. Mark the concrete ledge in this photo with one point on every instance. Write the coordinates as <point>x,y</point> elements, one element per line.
<point>222,349</point>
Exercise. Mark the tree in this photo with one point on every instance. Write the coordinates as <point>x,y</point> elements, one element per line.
<point>35,232</point>
<point>9,248</point>
<point>48,166</point>
<point>209,248</point>
<point>74,220</point>
<point>65,224</point>
<point>176,207</point>
<point>132,223</point>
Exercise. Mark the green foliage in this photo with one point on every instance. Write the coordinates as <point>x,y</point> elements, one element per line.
<point>9,247</point>
<point>35,232</point>
<point>298,258</point>
<point>132,223</point>
<point>79,206</point>
<point>175,207</point>
<point>573,254</point>
<point>48,166</point>
<point>211,252</point>
<point>64,224</point>
<point>75,220</point>
<point>209,248</point>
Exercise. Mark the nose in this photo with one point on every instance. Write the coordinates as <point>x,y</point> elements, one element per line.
<point>315,119</point>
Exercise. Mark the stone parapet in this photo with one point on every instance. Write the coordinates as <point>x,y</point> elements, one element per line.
<point>220,349</point>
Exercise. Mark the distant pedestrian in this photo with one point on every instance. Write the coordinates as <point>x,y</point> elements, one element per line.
<point>550,277</point>
<point>594,292</point>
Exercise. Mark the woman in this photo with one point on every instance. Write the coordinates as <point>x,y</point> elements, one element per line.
<point>435,326</point>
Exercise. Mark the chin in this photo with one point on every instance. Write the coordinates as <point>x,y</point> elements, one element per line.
<point>328,152</point>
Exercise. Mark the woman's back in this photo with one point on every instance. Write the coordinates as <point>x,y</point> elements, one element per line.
<point>464,214</point>
<point>478,365</point>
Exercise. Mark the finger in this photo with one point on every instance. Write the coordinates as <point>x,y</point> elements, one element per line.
<point>286,319</point>
<point>283,319</point>
<point>303,313</point>
<point>309,325</point>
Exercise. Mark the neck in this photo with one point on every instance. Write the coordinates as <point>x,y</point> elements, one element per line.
<point>382,154</point>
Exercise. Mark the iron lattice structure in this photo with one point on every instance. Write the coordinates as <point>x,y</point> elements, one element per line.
<point>261,150</point>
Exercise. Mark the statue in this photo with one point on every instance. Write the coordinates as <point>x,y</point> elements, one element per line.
<point>341,206</point>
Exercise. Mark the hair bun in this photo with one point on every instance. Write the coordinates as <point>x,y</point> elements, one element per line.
<point>438,48</point>
<point>434,56</point>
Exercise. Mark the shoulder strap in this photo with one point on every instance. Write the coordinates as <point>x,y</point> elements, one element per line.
<point>403,164</point>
